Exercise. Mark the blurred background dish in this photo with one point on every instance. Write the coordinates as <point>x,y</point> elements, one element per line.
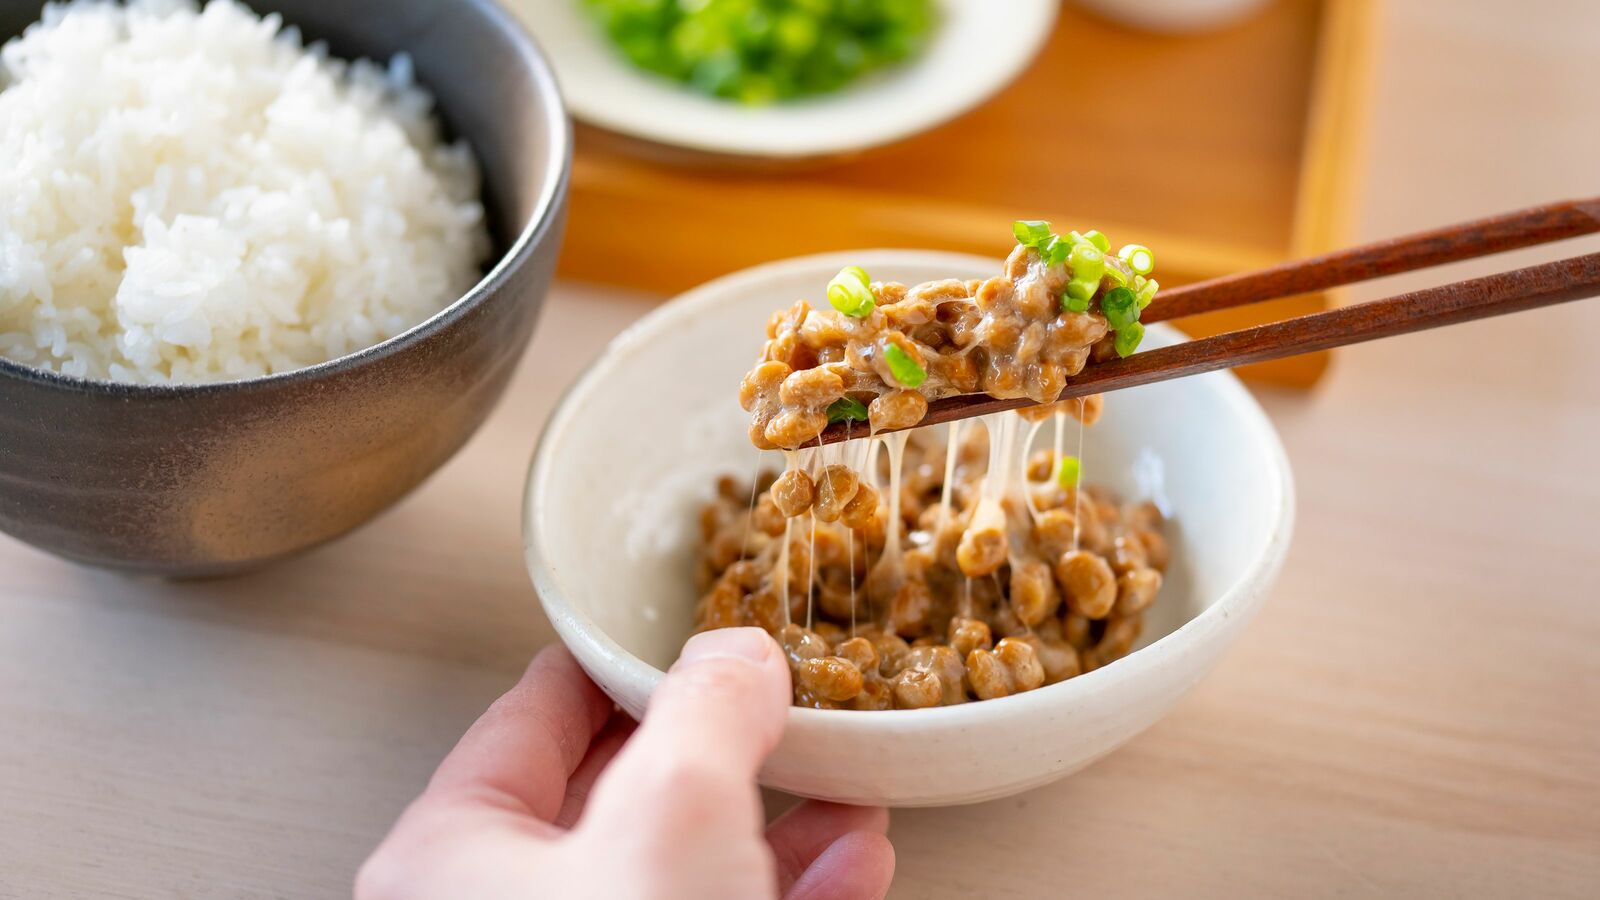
<point>758,52</point>
<point>975,49</point>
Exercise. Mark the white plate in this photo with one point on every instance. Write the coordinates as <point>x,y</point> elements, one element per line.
<point>978,48</point>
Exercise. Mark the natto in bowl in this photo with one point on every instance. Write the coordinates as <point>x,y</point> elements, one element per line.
<point>611,533</point>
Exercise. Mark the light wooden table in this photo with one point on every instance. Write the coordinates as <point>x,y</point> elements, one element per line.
<point>1415,713</point>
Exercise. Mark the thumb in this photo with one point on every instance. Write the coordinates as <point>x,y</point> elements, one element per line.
<point>713,720</point>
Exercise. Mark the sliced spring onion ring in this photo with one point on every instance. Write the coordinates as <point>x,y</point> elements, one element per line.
<point>1056,250</point>
<point>849,292</point>
<point>904,369</point>
<point>1139,258</point>
<point>1031,232</point>
<point>1121,307</point>
<point>847,409</point>
<point>1147,292</point>
<point>1088,263</point>
<point>1069,471</point>
<point>1128,339</point>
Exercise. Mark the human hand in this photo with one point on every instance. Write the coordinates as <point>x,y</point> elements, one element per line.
<point>552,794</point>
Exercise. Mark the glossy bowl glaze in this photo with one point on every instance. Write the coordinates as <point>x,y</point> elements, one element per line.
<point>205,480</point>
<point>611,531</point>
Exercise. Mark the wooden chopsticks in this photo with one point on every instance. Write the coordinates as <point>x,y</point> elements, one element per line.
<point>1542,285</point>
<point>1453,243</point>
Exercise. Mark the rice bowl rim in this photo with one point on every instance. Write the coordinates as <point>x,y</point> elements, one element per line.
<point>557,172</point>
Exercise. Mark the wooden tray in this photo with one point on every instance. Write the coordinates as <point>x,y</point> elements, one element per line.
<point>1223,153</point>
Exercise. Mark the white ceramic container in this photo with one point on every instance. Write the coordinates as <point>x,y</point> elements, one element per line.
<point>610,533</point>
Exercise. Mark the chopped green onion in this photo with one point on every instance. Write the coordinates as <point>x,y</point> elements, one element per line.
<point>1069,471</point>
<point>1121,307</point>
<point>1081,291</point>
<point>764,51</point>
<point>1088,263</point>
<point>1056,250</point>
<point>904,369</point>
<point>795,33</point>
<point>1139,258</point>
<point>850,294</point>
<point>1128,339</point>
<point>847,409</point>
<point>1147,292</point>
<point>1031,232</point>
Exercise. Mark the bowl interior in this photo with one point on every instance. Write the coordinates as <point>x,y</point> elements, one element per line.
<point>947,79</point>
<point>480,70</point>
<point>637,444</point>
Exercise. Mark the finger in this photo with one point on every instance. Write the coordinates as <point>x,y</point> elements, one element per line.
<point>601,752</point>
<point>710,723</point>
<point>800,835</point>
<point>520,752</point>
<point>857,866</point>
<point>723,703</point>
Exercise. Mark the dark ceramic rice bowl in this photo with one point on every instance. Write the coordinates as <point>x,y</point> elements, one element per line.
<point>201,480</point>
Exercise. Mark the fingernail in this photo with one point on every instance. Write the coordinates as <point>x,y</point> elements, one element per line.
<point>750,645</point>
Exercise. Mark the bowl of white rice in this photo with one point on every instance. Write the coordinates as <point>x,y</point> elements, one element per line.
<point>264,265</point>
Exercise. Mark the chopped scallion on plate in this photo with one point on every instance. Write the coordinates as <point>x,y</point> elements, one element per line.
<point>757,52</point>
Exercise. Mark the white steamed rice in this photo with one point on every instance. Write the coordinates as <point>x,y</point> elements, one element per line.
<point>192,196</point>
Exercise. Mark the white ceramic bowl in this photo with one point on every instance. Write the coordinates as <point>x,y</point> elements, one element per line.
<point>979,47</point>
<point>610,532</point>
